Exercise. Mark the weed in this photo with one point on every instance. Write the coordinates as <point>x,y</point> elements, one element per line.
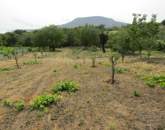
<point>54,70</point>
<point>69,86</point>
<point>120,70</point>
<point>18,104</point>
<point>76,66</point>
<point>8,103</point>
<point>112,126</point>
<point>5,69</point>
<point>152,81</point>
<point>136,94</point>
<point>32,62</point>
<point>41,102</point>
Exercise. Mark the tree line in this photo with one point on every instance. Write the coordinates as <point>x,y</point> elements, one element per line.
<point>141,35</point>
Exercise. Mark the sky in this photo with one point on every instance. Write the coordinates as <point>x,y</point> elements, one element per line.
<point>32,14</point>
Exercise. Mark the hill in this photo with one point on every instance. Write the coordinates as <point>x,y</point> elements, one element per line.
<point>94,20</point>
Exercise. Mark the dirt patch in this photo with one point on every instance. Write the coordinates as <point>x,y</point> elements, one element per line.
<point>97,105</point>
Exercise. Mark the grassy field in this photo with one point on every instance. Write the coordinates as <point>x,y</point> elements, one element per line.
<point>129,104</point>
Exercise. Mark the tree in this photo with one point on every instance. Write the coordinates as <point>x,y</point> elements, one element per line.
<point>120,42</point>
<point>103,39</point>
<point>163,22</point>
<point>8,51</point>
<point>51,36</point>
<point>143,34</point>
<point>89,36</point>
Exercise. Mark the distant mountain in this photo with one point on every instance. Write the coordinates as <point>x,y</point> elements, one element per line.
<point>94,20</point>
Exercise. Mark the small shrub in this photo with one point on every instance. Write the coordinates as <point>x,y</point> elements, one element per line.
<point>76,66</point>
<point>152,81</point>
<point>54,70</point>
<point>8,103</point>
<point>136,94</point>
<point>30,62</point>
<point>5,69</point>
<point>120,70</point>
<point>162,85</point>
<point>68,86</point>
<point>18,104</point>
<point>41,102</point>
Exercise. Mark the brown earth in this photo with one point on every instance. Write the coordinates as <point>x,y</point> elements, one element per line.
<point>97,105</point>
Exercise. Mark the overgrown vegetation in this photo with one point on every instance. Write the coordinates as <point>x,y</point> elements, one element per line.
<point>65,86</point>
<point>41,102</point>
<point>121,70</point>
<point>6,69</point>
<point>31,62</point>
<point>152,81</point>
<point>18,104</point>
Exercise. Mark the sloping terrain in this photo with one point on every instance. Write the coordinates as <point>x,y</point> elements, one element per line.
<point>97,105</point>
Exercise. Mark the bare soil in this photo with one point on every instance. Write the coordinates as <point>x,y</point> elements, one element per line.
<point>97,105</point>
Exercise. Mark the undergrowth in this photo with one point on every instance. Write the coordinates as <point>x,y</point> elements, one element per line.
<point>18,104</point>
<point>152,81</point>
<point>68,86</point>
<point>42,101</point>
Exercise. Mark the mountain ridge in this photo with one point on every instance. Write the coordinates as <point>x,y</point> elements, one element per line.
<point>93,20</point>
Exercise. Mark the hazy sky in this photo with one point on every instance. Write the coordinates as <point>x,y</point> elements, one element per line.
<point>30,14</point>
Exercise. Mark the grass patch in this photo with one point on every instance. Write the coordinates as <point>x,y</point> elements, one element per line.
<point>5,69</point>
<point>68,86</point>
<point>32,62</point>
<point>76,66</point>
<point>152,81</point>
<point>104,64</point>
<point>41,102</point>
<point>18,104</point>
<point>120,70</point>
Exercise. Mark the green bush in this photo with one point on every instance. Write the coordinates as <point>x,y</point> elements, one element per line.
<point>8,103</point>
<point>76,66</point>
<point>5,69</point>
<point>32,62</point>
<point>68,86</point>
<point>18,104</point>
<point>40,102</point>
<point>120,70</point>
<point>152,81</point>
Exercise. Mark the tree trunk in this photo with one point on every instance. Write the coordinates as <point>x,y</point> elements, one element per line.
<point>122,58</point>
<point>16,61</point>
<point>35,57</point>
<point>113,70</point>
<point>93,62</point>
<point>103,48</point>
<point>140,54</point>
<point>148,54</point>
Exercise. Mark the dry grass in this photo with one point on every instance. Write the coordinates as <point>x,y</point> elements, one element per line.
<point>95,106</point>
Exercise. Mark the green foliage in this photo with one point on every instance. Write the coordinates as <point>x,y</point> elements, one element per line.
<point>152,81</point>
<point>32,62</point>
<point>136,94</point>
<point>8,103</point>
<point>5,69</point>
<point>40,102</point>
<point>18,104</point>
<point>68,86</point>
<point>89,36</point>
<point>76,66</point>
<point>120,70</point>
